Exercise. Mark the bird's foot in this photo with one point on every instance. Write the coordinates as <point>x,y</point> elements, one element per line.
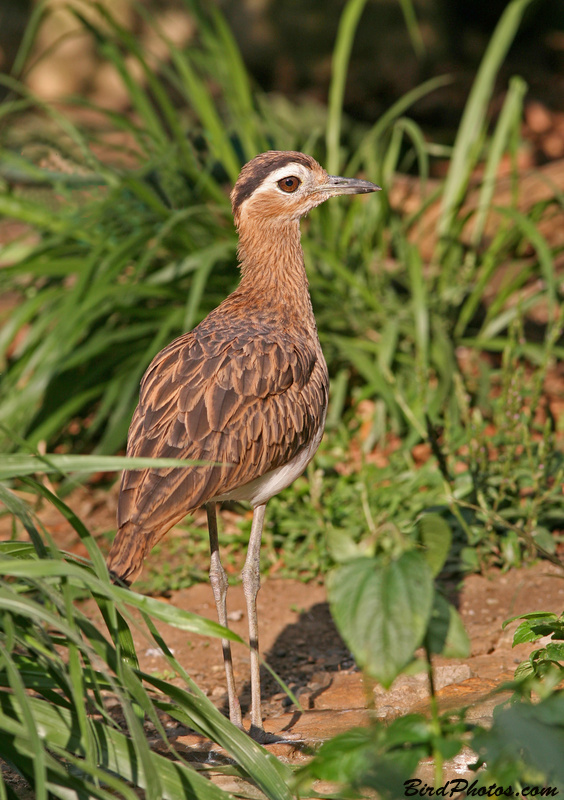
<point>265,737</point>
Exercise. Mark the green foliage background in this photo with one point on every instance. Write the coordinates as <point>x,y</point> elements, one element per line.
<point>125,258</point>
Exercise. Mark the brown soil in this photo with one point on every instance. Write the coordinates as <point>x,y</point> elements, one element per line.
<point>300,642</point>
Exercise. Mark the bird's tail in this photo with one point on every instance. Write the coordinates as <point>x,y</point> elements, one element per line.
<point>125,560</point>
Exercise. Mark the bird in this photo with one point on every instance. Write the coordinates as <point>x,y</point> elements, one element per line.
<point>246,391</point>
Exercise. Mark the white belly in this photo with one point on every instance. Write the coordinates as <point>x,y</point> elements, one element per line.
<point>260,490</point>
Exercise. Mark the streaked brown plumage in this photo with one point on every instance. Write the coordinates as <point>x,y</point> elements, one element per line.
<point>246,388</point>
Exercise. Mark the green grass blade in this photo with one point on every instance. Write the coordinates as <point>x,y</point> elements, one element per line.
<point>20,464</point>
<point>25,713</point>
<point>541,246</point>
<point>341,56</point>
<point>268,773</point>
<point>39,14</point>
<point>396,110</point>
<point>473,121</point>
<point>118,756</point>
<point>237,88</point>
<point>410,17</point>
<point>508,119</point>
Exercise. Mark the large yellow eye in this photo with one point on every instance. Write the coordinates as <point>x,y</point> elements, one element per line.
<point>289,184</point>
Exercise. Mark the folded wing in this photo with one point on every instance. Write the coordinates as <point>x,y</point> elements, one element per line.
<point>247,405</point>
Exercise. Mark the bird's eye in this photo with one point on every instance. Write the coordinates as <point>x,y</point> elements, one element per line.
<point>289,184</point>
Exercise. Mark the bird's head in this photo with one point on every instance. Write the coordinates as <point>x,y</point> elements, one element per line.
<point>285,185</point>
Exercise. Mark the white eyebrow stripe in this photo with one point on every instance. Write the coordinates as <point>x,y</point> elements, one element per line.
<point>287,171</point>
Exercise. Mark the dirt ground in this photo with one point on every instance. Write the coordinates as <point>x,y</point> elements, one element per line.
<point>299,641</point>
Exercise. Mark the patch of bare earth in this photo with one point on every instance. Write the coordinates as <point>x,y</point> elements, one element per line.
<point>300,642</point>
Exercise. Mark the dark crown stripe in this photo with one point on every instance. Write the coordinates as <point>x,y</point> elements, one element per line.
<point>254,173</point>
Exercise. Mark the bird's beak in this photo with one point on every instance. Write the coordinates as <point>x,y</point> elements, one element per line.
<point>336,185</point>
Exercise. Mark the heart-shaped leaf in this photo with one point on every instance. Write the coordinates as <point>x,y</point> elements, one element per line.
<point>436,536</point>
<point>446,634</point>
<point>381,608</point>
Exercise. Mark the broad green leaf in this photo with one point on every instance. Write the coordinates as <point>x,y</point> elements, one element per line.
<point>380,757</point>
<point>535,626</point>
<point>524,670</point>
<point>341,546</point>
<point>446,634</point>
<point>382,608</point>
<point>344,757</point>
<point>525,633</point>
<point>436,536</point>
<point>59,732</point>
<point>528,736</point>
<point>533,616</point>
<point>555,651</point>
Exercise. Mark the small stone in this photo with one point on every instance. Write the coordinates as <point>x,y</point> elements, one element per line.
<point>447,674</point>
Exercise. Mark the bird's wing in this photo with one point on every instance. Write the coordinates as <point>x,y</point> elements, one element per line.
<point>251,403</point>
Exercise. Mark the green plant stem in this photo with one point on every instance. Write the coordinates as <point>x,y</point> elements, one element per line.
<point>438,760</point>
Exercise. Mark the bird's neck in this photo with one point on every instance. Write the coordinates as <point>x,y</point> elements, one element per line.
<point>272,266</point>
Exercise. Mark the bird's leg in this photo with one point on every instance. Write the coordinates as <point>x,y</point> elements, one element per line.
<point>251,584</point>
<point>219,584</point>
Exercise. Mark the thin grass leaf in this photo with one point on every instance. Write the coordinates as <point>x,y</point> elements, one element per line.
<point>20,510</point>
<point>510,289</point>
<point>543,251</point>
<point>267,772</point>
<point>420,303</point>
<point>237,86</point>
<point>473,121</point>
<point>39,216</point>
<point>339,66</point>
<point>25,713</point>
<point>155,86</point>
<point>56,569</point>
<point>273,776</point>
<point>509,117</point>
<point>67,127</point>
<point>200,100</point>
<point>16,465</point>
<point>369,141</point>
<point>408,11</point>
<point>118,755</point>
<point>39,13</point>
<point>178,618</point>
